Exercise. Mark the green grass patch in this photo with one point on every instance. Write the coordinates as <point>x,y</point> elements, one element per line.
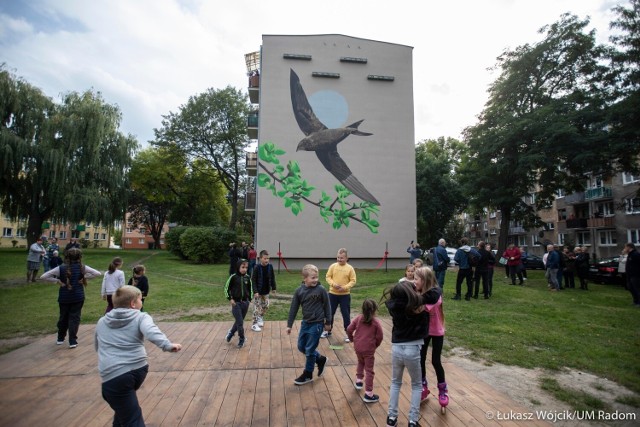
<point>596,331</point>
<point>577,399</point>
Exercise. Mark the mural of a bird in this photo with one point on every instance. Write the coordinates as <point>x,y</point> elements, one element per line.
<point>324,142</point>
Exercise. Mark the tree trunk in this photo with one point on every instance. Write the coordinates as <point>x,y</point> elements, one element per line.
<point>34,227</point>
<point>505,213</point>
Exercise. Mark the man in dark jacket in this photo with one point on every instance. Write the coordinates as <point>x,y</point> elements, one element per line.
<point>633,272</point>
<point>553,264</point>
<point>440,262</point>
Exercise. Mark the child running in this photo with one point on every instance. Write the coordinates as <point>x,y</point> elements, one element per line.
<point>427,285</point>
<point>264,281</point>
<point>122,359</point>
<point>140,281</point>
<point>238,292</point>
<point>366,333</point>
<point>112,280</point>
<point>316,313</point>
<point>341,277</point>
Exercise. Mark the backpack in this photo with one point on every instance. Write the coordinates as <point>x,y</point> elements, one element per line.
<point>474,257</point>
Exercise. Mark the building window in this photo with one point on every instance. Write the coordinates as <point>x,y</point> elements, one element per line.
<point>103,236</point>
<point>522,240</point>
<point>21,232</point>
<point>129,230</point>
<point>604,209</point>
<point>632,206</point>
<point>492,214</point>
<point>583,238</point>
<point>88,224</point>
<point>551,226</point>
<point>162,241</point>
<point>485,226</point>
<point>52,234</point>
<point>96,236</point>
<point>560,193</point>
<point>63,235</point>
<point>608,238</point>
<point>633,236</point>
<point>127,241</point>
<point>594,182</point>
<point>562,214</point>
<point>7,232</point>
<point>141,241</point>
<point>561,238</point>
<point>493,232</point>
<point>628,178</point>
<point>143,230</point>
<point>535,241</point>
<point>86,236</point>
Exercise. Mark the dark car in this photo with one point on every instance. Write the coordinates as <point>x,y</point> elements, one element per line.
<point>533,262</point>
<point>605,271</point>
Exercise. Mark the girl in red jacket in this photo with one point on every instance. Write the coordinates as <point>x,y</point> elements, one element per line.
<point>365,332</point>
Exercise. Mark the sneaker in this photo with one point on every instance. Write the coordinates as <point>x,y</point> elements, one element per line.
<point>241,343</point>
<point>229,336</point>
<point>305,378</point>
<point>73,345</point>
<point>59,342</point>
<point>324,334</point>
<point>346,339</point>
<point>256,328</point>
<point>358,385</point>
<point>322,360</point>
<point>391,422</point>
<point>413,424</point>
<point>371,399</point>
<point>260,322</point>
<point>425,393</point>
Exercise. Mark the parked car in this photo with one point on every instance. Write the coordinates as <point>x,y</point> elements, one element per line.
<point>606,271</point>
<point>533,262</point>
<point>428,256</point>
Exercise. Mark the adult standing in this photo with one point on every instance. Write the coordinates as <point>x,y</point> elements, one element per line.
<point>253,255</point>
<point>234,257</point>
<point>523,261</point>
<point>465,272</point>
<point>633,272</point>
<point>569,268</point>
<point>582,266</point>
<point>34,259</point>
<point>553,264</point>
<point>53,247</point>
<point>73,244</point>
<point>72,277</point>
<point>490,267</point>
<point>482,271</point>
<point>440,262</point>
<point>414,252</point>
<point>513,256</point>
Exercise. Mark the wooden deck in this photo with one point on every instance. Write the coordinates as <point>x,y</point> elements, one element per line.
<point>212,383</point>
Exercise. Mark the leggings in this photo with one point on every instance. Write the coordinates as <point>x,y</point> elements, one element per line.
<point>435,357</point>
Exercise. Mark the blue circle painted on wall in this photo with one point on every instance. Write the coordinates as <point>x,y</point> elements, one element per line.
<point>330,108</point>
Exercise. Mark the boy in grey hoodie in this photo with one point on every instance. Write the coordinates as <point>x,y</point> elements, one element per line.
<point>122,359</point>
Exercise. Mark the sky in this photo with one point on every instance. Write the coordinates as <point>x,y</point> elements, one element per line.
<point>149,56</point>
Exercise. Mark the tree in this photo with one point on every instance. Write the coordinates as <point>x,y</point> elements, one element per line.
<point>542,128</point>
<point>66,161</point>
<point>624,79</point>
<point>439,196</point>
<point>212,127</point>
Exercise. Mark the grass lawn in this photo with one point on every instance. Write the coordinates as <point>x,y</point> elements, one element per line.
<point>597,331</point>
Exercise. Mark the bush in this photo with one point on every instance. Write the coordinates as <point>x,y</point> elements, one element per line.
<point>206,244</point>
<point>172,241</point>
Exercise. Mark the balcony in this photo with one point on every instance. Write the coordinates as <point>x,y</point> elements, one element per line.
<point>574,198</point>
<point>598,193</point>
<point>252,125</point>
<point>250,202</point>
<point>254,88</point>
<point>252,164</point>
<point>607,221</point>
<point>577,223</point>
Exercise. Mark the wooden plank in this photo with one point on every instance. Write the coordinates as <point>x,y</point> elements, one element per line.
<point>244,410</point>
<point>278,405</point>
<point>230,400</point>
<point>213,409</point>
<point>200,398</point>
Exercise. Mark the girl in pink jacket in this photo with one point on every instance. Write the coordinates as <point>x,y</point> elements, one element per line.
<point>365,332</point>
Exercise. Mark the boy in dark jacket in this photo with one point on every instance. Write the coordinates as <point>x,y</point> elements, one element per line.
<point>263,280</point>
<point>238,291</point>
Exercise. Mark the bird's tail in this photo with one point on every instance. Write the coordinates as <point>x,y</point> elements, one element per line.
<point>357,132</point>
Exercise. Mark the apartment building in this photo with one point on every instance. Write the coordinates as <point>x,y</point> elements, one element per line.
<point>138,237</point>
<point>602,218</point>
<point>14,232</point>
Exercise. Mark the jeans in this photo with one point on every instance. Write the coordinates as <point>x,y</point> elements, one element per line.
<point>69,321</point>
<point>403,355</point>
<point>484,276</point>
<point>464,273</point>
<point>440,277</point>
<point>490,280</point>
<point>308,341</point>
<point>344,301</point>
<point>552,276</point>
<point>239,312</point>
<point>120,394</point>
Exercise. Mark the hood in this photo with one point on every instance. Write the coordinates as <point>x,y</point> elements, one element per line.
<point>120,317</point>
<point>465,248</point>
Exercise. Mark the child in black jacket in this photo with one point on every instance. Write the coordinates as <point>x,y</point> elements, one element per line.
<point>238,291</point>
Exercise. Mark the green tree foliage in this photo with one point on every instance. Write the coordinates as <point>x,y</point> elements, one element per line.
<point>624,78</point>
<point>542,128</point>
<point>60,161</point>
<point>206,244</point>
<point>172,240</point>
<point>438,194</point>
<point>212,127</point>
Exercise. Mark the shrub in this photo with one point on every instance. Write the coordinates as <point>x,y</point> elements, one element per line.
<point>172,241</point>
<point>205,244</point>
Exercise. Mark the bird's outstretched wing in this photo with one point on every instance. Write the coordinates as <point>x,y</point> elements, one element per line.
<point>334,164</point>
<point>306,118</point>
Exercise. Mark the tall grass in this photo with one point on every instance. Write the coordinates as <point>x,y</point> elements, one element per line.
<point>597,331</point>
